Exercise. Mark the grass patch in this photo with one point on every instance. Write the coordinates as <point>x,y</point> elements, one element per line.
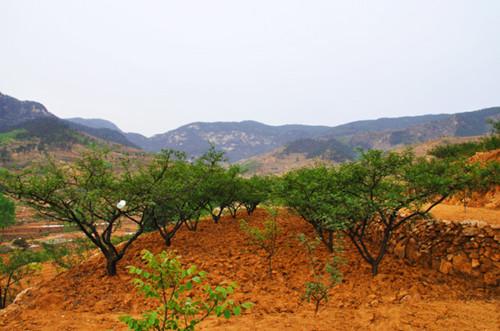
<point>8,137</point>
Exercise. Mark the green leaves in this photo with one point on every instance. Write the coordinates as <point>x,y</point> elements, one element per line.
<point>318,196</point>
<point>247,305</point>
<point>14,268</point>
<point>184,296</point>
<point>7,212</point>
<point>377,188</point>
<point>265,238</point>
<point>317,290</point>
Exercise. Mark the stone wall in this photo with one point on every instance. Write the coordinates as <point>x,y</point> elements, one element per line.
<point>468,249</point>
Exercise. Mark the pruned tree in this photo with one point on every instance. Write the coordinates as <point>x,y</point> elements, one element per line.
<point>234,189</point>
<point>392,189</point>
<point>221,189</point>
<point>95,194</point>
<point>178,198</point>
<point>312,193</point>
<point>254,191</point>
<point>211,190</point>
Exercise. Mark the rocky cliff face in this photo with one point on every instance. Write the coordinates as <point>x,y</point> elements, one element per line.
<point>14,112</point>
<point>238,140</point>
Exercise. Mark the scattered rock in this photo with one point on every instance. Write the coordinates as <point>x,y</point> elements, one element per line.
<point>462,264</point>
<point>411,251</point>
<point>491,279</point>
<point>399,250</point>
<point>445,267</point>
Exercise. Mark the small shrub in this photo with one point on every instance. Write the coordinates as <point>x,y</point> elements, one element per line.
<point>317,290</point>
<point>265,238</point>
<point>13,269</point>
<point>176,290</point>
<point>468,149</point>
<point>7,212</point>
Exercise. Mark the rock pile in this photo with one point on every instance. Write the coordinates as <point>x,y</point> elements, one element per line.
<point>470,249</point>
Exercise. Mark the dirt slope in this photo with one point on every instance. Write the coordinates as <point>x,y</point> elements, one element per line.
<point>400,298</point>
<point>484,199</point>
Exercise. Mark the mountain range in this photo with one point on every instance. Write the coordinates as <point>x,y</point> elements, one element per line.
<point>246,139</point>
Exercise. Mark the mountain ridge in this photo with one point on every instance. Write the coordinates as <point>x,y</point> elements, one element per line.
<point>245,139</point>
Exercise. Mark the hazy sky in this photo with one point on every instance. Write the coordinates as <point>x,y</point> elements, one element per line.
<point>151,66</point>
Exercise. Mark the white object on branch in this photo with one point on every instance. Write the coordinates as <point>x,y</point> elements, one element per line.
<point>120,205</point>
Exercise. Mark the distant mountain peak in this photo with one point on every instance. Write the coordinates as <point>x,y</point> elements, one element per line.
<point>39,122</point>
<point>14,111</point>
<point>96,123</point>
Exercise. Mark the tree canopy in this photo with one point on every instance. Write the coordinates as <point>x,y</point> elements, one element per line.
<point>86,194</point>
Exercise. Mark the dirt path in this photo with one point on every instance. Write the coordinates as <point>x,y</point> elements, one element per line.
<point>452,212</point>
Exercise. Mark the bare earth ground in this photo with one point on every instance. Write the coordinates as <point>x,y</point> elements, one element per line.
<point>457,213</point>
<point>402,297</point>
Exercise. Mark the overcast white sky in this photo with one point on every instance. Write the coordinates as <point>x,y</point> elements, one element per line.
<point>151,66</point>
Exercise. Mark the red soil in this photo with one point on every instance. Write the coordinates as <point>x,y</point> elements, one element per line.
<point>400,298</point>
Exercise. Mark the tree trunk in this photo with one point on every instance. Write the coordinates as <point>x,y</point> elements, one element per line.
<point>270,267</point>
<point>2,305</point>
<point>168,241</point>
<point>375,268</point>
<point>3,299</point>
<point>111,266</point>
<point>250,209</point>
<point>316,310</point>
<point>192,225</point>
<point>233,212</point>
<point>328,241</point>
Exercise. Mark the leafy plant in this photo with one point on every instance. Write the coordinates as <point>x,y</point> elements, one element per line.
<point>181,196</point>
<point>8,137</point>
<point>86,193</point>
<point>265,238</point>
<point>468,149</point>
<point>317,290</point>
<point>222,189</point>
<point>177,291</point>
<point>13,268</point>
<point>7,212</point>
<point>254,191</point>
<point>391,189</point>
<point>313,193</point>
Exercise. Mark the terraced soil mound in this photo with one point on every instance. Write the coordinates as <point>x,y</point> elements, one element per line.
<point>486,199</point>
<point>401,297</point>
